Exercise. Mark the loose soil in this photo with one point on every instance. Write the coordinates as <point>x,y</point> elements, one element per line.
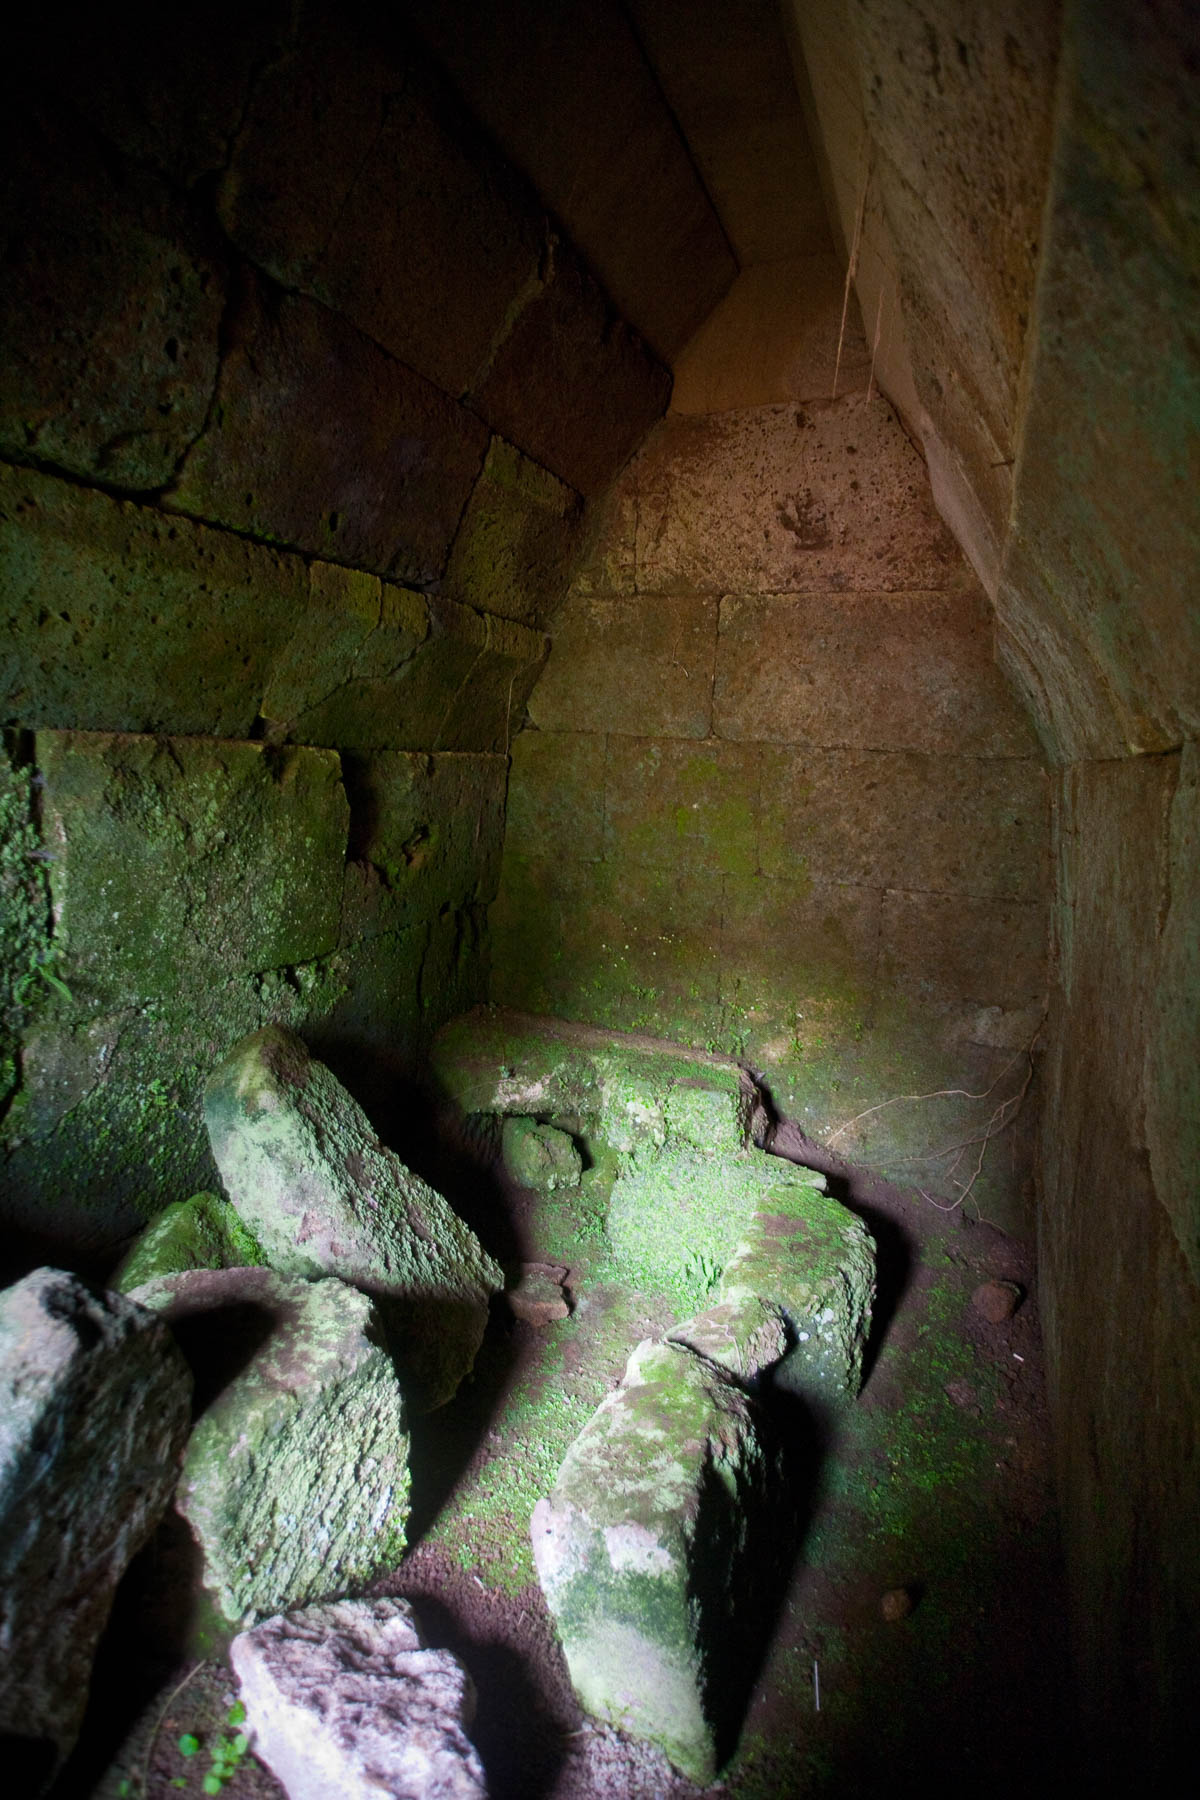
<point>934,1490</point>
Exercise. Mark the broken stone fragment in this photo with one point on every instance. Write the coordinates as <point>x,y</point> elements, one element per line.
<point>94,1409</point>
<point>308,1175</point>
<point>345,1703</point>
<point>540,1156</point>
<point>538,1295</point>
<point>996,1301</point>
<point>295,1481</point>
<point>794,1303</point>
<point>201,1233</point>
<point>650,1544</point>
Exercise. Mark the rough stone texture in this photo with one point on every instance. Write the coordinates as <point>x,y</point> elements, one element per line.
<point>632,1092</point>
<point>618,666</point>
<point>171,856</point>
<point>645,1551</point>
<point>1117,1243</point>
<point>319,439</point>
<point>540,1156</point>
<point>426,839</point>
<point>355,627</point>
<point>115,618</point>
<point>569,96</point>
<point>346,1701</point>
<point>787,498</point>
<point>295,1481</point>
<point>201,1233</point>
<point>24,914</point>
<point>568,358</point>
<point>306,1172</point>
<point>960,826</point>
<point>794,1302</point>
<point>691,1207</point>
<point>1105,515</point>
<point>356,179</point>
<point>517,541</point>
<point>93,1421</point>
<point>107,1123</point>
<point>840,875</point>
<point>114,295</point>
<point>538,1296</point>
<point>910,671</point>
<point>172,100</point>
<point>464,688</point>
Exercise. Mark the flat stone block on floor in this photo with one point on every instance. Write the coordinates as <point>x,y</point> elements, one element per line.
<point>629,1091</point>
<point>646,1547</point>
<point>794,1301</point>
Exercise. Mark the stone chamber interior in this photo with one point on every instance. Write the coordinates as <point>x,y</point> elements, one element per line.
<point>678,516</point>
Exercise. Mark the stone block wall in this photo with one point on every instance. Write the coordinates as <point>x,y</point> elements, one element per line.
<point>304,396</point>
<point>775,797</point>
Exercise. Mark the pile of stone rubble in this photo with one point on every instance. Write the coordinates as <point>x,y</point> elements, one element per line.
<point>260,1356</point>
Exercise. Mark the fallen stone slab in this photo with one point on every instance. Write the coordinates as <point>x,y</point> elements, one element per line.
<point>322,1195</point>
<point>793,1307</point>
<point>201,1233</point>
<point>676,1216</point>
<point>651,1549</point>
<point>345,1703</point>
<point>295,1481</point>
<point>632,1092</point>
<point>94,1410</point>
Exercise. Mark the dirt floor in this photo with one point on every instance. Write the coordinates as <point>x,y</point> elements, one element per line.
<point>930,1499</point>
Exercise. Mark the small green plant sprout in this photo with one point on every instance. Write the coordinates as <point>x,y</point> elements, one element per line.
<point>226,1752</point>
<point>701,1271</point>
<point>48,973</point>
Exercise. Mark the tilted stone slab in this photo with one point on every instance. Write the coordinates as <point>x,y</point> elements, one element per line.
<point>648,1544</point>
<point>94,1410</point>
<point>322,1195</point>
<point>633,1092</point>
<point>794,1303</point>
<point>201,1233</point>
<point>346,1703</point>
<point>295,1482</point>
<point>676,1205</point>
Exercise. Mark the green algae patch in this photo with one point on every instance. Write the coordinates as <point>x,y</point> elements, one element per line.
<point>295,1481</point>
<point>676,1216</point>
<point>201,1233</point>
<point>670,1469</point>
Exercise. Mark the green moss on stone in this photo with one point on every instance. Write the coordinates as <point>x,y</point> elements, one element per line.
<point>201,1233</point>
